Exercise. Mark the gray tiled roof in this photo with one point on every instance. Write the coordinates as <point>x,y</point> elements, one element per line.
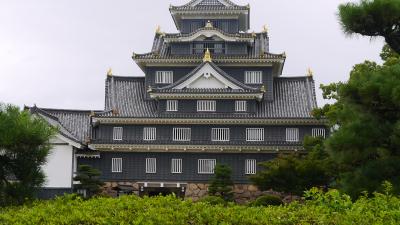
<point>294,97</point>
<point>209,5</point>
<point>73,124</point>
<point>259,49</point>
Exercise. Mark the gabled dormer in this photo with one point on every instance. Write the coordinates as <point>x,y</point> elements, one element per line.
<point>224,14</point>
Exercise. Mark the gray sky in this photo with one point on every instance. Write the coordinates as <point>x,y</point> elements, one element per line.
<point>56,53</point>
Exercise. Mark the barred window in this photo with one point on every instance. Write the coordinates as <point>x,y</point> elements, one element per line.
<point>116,165</point>
<point>176,166</point>
<point>206,106</point>
<point>164,77</point>
<point>149,133</point>
<point>181,134</point>
<point>172,105</point>
<point>292,134</point>
<point>241,106</point>
<point>220,134</point>
<point>318,132</point>
<point>117,133</point>
<point>255,134</point>
<point>206,166</point>
<point>253,77</point>
<point>251,166</point>
<point>151,165</point>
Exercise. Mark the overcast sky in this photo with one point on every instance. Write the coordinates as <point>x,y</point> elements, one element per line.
<point>55,53</point>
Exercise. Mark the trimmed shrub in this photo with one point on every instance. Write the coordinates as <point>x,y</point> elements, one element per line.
<point>267,200</point>
<point>213,200</point>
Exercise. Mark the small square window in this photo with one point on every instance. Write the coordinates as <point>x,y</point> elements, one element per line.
<point>164,77</point>
<point>206,166</point>
<point>292,134</point>
<point>318,132</point>
<point>151,165</point>
<point>116,165</point>
<point>253,77</point>
<point>172,105</point>
<point>251,166</point>
<point>241,106</point>
<point>176,166</point>
<point>117,133</point>
<point>149,133</point>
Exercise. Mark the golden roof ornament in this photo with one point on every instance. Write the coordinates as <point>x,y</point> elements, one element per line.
<point>284,54</point>
<point>265,29</point>
<point>109,72</point>
<point>310,73</point>
<point>115,111</point>
<point>158,30</point>
<point>263,89</point>
<point>92,113</point>
<point>209,24</point>
<point>254,34</point>
<point>149,89</point>
<point>207,56</point>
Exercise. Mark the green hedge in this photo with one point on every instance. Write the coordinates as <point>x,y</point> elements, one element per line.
<point>329,208</point>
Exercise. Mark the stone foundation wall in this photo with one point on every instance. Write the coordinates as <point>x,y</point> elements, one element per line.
<point>109,188</point>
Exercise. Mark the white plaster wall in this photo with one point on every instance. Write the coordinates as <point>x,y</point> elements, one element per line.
<point>58,169</point>
<point>211,82</point>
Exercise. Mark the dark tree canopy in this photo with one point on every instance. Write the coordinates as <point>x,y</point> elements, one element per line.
<point>221,184</point>
<point>24,146</point>
<point>89,181</point>
<point>296,173</point>
<point>366,115</point>
<point>373,18</point>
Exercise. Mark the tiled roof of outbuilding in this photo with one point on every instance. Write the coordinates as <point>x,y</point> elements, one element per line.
<point>294,97</point>
<point>209,5</point>
<point>73,124</point>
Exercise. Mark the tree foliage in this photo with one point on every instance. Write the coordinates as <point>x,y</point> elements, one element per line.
<point>24,146</point>
<point>89,181</point>
<point>295,173</point>
<point>366,115</point>
<point>221,184</point>
<point>373,18</point>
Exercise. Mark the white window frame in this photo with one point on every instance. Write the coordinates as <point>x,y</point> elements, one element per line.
<point>318,132</point>
<point>149,133</point>
<point>116,165</point>
<point>250,166</point>
<point>172,105</point>
<point>151,165</point>
<point>255,134</point>
<point>241,106</point>
<point>220,134</point>
<point>164,77</point>
<point>206,166</point>
<point>118,133</point>
<point>253,77</point>
<point>292,134</point>
<point>181,134</point>
<point>176,165</point>
<point>206,106</point>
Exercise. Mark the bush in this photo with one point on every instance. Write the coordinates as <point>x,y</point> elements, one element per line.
<point>213,200</point>
<point>323,208</point>
<point>267,200</point>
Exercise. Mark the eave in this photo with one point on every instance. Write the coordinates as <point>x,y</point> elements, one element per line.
<point>249,96</point>
<point>197,148</point>
<point>224,121</point>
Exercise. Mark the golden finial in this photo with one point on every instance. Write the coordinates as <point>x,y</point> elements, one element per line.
<point>263,89</point>
<point>92,113</point>
<point>265,29</point>
<point>158,30</point>
<point>254,34</point>
<point>209,24</point>
<point>310,73</point>
<point>207,56</point>
<point>115,111</point>
<point>149,89</point>
<point>109,72</point>
<point>284,54</point>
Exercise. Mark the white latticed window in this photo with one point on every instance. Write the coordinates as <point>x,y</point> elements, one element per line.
<point>255,134</point>
<point>149,133</point>
<point>206,166</point>
<point>241,106</point>
<point>220,134</point>
<point>181,134</point>
<point>172,105</point>
<point>176,166</point>
<point>151,165</point>
<point>318,132</point>
<point>253,77</point>
<point>117,133</point>
<point>164,77</point>
<point>116,165</point>
<point>251,166</point>
<point>206,106</point>
<point>292,134</point>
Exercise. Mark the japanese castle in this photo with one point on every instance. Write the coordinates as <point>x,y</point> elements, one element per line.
<point>211,93</point>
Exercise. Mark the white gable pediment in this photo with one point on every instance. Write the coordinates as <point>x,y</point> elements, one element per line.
<point>207,77</point>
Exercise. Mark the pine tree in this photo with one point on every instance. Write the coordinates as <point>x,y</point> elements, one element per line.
<point>221,184</point>
<point>89,181</point>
